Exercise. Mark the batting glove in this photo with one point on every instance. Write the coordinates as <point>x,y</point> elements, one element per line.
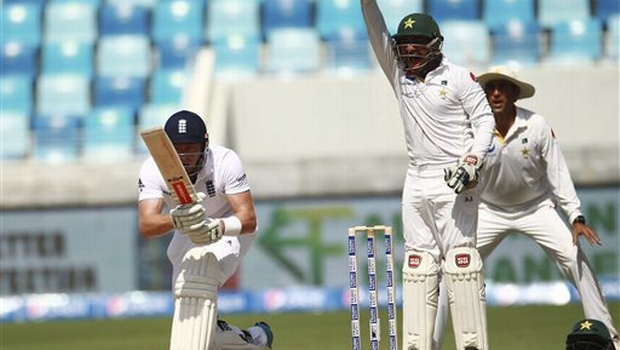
<point>464,175</point>
<point>210,231</point>
<point>189,216</point>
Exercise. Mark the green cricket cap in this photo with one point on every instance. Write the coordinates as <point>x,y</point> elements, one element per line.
<point>418,24</point>
<point>591,327</point>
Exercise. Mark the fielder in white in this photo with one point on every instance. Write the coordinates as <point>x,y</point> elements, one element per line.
<point>528,189</point>
<point>210,237</point>
<point>448,130</point>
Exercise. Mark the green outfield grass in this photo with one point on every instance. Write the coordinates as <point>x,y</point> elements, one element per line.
<point>511,328</point>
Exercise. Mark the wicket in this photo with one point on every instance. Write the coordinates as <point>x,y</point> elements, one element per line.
<point>375,327</point>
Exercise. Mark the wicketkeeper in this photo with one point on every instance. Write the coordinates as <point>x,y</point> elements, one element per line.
<point>448,130</point>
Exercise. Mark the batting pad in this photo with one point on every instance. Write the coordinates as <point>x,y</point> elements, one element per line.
<point>195,306</point>
<point>420,294</point>
<point>465,281</point>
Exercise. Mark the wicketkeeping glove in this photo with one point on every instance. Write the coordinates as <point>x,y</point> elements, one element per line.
<point>464,175</point>
<point>189,216</point>
<point>208,232</point>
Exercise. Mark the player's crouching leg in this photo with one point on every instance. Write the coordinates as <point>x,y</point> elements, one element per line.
<point>257,337</point>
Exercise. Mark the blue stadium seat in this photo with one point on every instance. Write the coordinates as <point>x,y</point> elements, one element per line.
<point>177,52</point>
<point>126,92</point>
<point>67,58</point>
<point>286,13</point>
<point>144,3</point>
<point>232,17</point>
<point>16,94</point>
<point>124,55</point>
<point>460,46</point>
<point>66,94</point>
<point>178,18</point>
<point>21,22</point>
<point>70,21</point>
<point>333,16</point>
<point>31,2</point>
<point>293,51</point>
<point>15,135</point>
<point>496,13</point>
<point>395,10</point>
<point>551,12</point>
<point>123,19</point>
<point>454,10</point>
<point>606,8</point>
<point>151,115</point>
<point>20,59</point>
<point>517,43</point>
<point>109,135</point>
<point>166,86</point>
<point>237,57</point>
<point>612,43</point>
<point>348,53</point>
<point>576,42</point>
<point>57,138</point>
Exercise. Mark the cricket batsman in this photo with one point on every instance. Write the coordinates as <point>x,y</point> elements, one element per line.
<point>211,235</point>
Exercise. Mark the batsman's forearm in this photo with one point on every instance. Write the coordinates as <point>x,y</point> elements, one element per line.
<point>155,225</point>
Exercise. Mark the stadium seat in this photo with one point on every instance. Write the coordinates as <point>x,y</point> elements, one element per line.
<point>178,18</point>
<point>67,57</point>
<point>237,57</point>
<point>32,2</point>
<point>286,13</point>
<point>144,3</point>
<point>124,55</point>
<point>604,9</point>
<point>293,51</point>
<point>109,135</point>
<point>497,13</point>
<point>16,94</point>
<point>517,43</point>
<point>151,115</point>
<point>21,22</point>
<point>395,10</point>
<point>70,21</point>
<point>166,86</point>
<point>18,58</point>
<point>551,12</point>
<point>128,92</point>
<point>454,10</point>
<point>612,42</point>
<point>576,42</point>
<point>232,17</point>
<point>347,53</point>
<point>57,138</point>
<point>176,53</point>
<point>333,16</point>
<point>118,19</point>
<point>66,94</point>
<point>15,135</point>
<point>460,46</point>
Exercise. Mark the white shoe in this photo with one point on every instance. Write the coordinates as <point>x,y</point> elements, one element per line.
<point>261,334</point>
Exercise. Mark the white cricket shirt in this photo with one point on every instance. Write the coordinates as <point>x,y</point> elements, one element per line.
<point>446,116</point>
<point>222,174</point>
<point>527,167</point>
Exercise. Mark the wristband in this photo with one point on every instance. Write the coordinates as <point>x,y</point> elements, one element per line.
<point>232,225</point>
<point>580,220</point>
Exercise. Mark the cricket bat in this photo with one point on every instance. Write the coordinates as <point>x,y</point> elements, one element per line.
<point>169,164</point>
